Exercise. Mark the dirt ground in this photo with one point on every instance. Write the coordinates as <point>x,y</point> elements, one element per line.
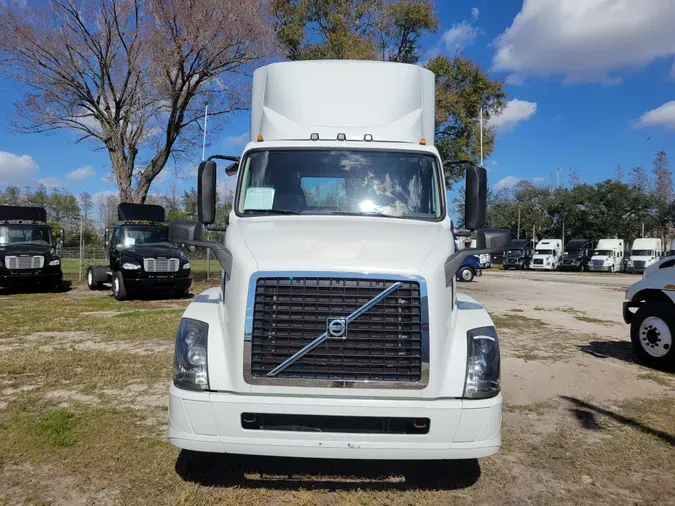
<point>84,384</point>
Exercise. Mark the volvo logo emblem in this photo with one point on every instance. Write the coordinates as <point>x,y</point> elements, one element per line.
<point>337,328</point>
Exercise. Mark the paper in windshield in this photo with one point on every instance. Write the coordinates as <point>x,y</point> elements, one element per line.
<point>260,198</point>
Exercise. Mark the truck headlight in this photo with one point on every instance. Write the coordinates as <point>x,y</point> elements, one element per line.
<point>130,266</point>
<point>186,266</point>
<point>55,262</point>
<point>482,364</point>
<point>189,366</point>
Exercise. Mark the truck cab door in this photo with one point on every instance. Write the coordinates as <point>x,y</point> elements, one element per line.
<point>113,252</point>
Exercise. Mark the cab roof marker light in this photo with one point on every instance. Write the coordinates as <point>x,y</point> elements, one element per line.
<point>423,141</point>
<point>314,137</point>
<point>342,137</point>
<point>260,138</point>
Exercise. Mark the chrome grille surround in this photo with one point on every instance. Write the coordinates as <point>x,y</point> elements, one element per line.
<point>161,264</point>
<point>24,262</point>
<point>253,373</point>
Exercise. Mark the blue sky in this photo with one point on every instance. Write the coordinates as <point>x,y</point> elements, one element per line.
<point>591,85</point>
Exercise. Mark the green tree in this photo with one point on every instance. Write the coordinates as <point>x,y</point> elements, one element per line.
<point>462,89</point>
<point>402,25</point>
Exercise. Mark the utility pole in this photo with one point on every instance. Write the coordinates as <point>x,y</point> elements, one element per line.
<point>481,135</point>
<point>558,169</point>
<point>643,229</point>
<point>518,222</point>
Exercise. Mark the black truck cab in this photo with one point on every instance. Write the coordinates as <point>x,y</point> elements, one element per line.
<point>28,255</point>
<point>519,254</point>
<point>141,257</point>
<point>577,255</point>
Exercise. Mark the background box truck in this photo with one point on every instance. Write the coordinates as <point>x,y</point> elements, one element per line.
<point>608,256</point>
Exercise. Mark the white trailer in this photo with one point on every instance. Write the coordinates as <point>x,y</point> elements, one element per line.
<point>608,256</point>
<point>644,252</point>
<point>337,331</point>
<point>547,255</point>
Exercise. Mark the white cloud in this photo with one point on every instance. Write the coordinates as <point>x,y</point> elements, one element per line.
<point>16,169</point>
<point>50,182</point>
<point>459,36</point>
<point>585,40</point>
<point>538,180</point>
<point>663,116</point>
<point>81,173</point>
<point>102,196</point>
<point>506,182</point>
<point>475,13</point>
<point>514,112</point>
<point>235,141</point>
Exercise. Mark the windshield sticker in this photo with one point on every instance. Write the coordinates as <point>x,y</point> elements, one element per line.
<point>259,198</point>
<point>129,241</point>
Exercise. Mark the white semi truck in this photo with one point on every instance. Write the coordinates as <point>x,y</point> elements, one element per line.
<point>649,308</point>
<point>608,256</point>
<point>337,331</point>
<point>547,255</point>
<point>644,252</point>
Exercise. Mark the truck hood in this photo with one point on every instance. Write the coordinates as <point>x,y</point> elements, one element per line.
<point>339,243</point>
<point>151,252</point>
<point>26,249</point>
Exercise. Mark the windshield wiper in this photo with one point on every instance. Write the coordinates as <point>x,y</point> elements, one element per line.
<point>370,213</point>
<point>269,211</point>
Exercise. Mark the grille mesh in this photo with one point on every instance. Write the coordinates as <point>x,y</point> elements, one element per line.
<point>383,344</point>
<point>538,261</point>
<point>639,264</point>
<point>25,262</point>
<point>161,264</point>
<point>599,263</point>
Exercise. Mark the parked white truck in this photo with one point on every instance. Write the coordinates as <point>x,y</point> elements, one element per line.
<point>547,254</point>
<point>644,252</point>
<point>337,331</point>
<point>608,256</point>
<point>652,325</point>
<point>485,259</point>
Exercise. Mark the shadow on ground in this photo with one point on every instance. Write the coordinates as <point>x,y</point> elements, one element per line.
<point>222,470</point>
<point>620,350</point>
<point>587,416</point>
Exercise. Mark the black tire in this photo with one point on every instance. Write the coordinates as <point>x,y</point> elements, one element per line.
<point>651,333</point>
<point>611,269</point>
<point>96,276</point>
<point>466,274</point>
<point>57,286</point>
<point>118,290</point>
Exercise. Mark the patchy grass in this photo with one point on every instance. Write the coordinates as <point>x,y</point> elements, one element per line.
<point>56,427</point>
<point>517,322</point>
<point>597,321</point>
<point>516,310</point>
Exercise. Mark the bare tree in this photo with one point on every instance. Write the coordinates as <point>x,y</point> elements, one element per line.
<point>639,179</point>
<point>574,177</point>
<point>133,75</point>
<point>663,177</point>
<point>618,174</point>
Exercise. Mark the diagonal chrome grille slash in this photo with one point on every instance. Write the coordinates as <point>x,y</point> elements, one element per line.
<point>353,316</point>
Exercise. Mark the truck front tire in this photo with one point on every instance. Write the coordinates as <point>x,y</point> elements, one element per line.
<point>118,290</point>
<point>651,332</point>
<point>466,274</point>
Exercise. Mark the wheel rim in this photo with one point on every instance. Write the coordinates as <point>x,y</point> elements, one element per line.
<point>466,275</point>
<point>655,337</point>
<point>90,279</point>
<point>116,286</point>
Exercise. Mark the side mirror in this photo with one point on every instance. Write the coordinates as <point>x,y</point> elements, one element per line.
<point>232,169</point>
<point>184,232</point>
<point>475,197</point>
<point>206,192</point>
<point>119,247</point>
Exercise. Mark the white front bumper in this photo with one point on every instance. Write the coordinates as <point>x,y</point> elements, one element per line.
<point>211,422</point>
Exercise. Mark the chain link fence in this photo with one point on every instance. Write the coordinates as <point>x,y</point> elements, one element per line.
<point>75,261</point>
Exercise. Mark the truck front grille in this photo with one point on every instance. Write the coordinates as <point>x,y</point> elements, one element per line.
<point>639,264</point>
<point>598,263</point>
<point>161,264</point>
<point>538,261</point>
<point>25,262</point>
<point>383,344</point>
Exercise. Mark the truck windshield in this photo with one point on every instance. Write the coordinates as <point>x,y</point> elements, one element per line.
<point>381,183</point>
<point>513,252</point>
<point>543,252</point>
<point>573,253</point>
<point>13,235</point>
<point>146,236</point>
<point>642,253</point>
<point>603,252</point>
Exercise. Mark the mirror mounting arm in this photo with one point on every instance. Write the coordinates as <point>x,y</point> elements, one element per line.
<point>224,157</point>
